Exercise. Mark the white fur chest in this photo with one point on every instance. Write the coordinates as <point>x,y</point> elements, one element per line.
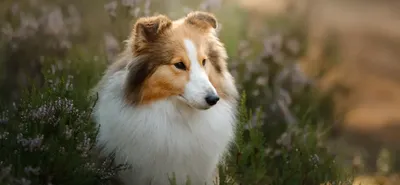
<point>164,137</point>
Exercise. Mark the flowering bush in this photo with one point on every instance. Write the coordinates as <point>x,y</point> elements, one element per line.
<point>296,157</point>
<point>48,138</point>
<point>33,30</point>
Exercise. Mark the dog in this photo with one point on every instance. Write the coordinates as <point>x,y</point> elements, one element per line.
<point>168,105</point>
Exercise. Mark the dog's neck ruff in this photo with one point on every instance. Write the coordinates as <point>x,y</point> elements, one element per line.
<point>162,137</point>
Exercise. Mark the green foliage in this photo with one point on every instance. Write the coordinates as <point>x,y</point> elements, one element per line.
<point>48,136</point>
<point>296,158</point>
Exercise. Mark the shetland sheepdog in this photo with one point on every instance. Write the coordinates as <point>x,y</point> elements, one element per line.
<point>167,105</point>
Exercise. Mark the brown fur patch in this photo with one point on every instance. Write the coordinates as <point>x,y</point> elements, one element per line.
<point>140,70</point>
<point>215,55</point>
<point>148,30</point>
<point>202,20</point>
<point>159,85</point>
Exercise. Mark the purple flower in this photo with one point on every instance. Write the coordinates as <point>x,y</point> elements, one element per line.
<point>31,144</point>
<point>272,45</point>
<point>112,46</point>
<point>111,8</point>
<point>24,181</point>
<point>55,22</point>
<point>3,135</point>
<point>4,118</point>
<point>128,3</point>
<point>68,132</point>
<point>84,146</point>
<point>209,5</point>
<point>293,45</point>
<point>135,12</point>
<point>15,9</point>
<point>28,170</point>
<point>74,20</point>
<point>5,170</point>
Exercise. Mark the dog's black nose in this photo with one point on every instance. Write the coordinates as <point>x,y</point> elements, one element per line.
<point>212,99</point>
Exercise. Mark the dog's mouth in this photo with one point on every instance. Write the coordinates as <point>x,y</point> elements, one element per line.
<point>182,98</point>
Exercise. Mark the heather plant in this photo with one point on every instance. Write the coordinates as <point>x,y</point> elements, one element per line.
<point>296,157</point>
<point>48,137</point>
<point>31,30</point>
<point>282,141</point>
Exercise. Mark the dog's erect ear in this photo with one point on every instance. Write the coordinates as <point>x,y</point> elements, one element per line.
<point>149,29</point>
<point>202,20</point>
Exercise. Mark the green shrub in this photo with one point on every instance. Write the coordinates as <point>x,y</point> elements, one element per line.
<point>296,158</point>
<point>47,138</point>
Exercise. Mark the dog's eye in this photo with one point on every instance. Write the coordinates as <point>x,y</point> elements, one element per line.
<point>204,62</point>
<point>180,65</point>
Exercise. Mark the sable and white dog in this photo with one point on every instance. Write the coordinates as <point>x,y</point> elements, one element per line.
<point>168,104</point>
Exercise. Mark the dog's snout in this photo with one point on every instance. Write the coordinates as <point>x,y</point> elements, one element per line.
<point>212,99</point>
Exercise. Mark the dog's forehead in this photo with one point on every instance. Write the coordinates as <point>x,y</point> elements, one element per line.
<point>184,38</point>
<point>182,31</point>
<point>178,22</point>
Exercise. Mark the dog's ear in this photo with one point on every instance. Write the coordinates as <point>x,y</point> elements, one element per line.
<point>148,29</point>
<point>202,20</point>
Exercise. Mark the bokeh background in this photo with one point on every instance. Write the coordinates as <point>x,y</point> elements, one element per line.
<point>329,68</point>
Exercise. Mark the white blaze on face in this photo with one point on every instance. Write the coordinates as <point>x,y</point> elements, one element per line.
<point>199,86</point>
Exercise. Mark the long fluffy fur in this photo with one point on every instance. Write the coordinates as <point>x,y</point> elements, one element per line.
<point>166,136</point>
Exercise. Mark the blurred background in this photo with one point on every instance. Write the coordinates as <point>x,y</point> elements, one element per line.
<point>339,57</point>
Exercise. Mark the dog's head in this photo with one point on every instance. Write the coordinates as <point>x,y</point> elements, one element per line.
<point>181,59</point>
